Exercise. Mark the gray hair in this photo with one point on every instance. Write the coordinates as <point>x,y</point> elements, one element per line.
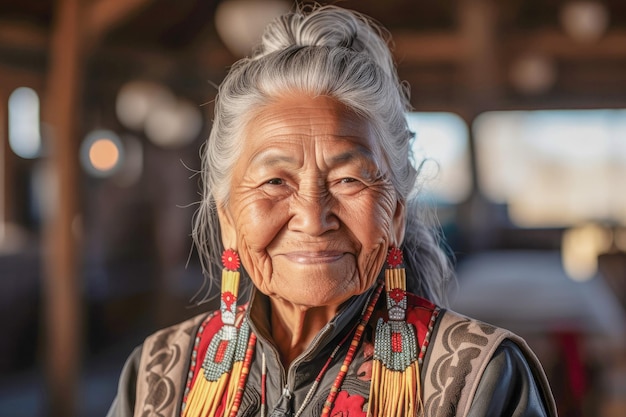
<point>344,55</point>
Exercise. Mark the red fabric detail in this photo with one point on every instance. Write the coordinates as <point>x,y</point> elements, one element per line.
<point>396,342</point>
<point>347,405</point>
<point>572,356</point>
<point>418,314</point>
<point>220,409</point>
<point>211,326</point>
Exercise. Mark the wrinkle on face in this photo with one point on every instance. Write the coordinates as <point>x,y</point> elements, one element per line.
<point>312,210</point>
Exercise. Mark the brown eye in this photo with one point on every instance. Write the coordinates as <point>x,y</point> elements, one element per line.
<point>347,180</point>
<point>275,181</point>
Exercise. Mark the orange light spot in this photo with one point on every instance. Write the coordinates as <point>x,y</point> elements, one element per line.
<point>104,154</point>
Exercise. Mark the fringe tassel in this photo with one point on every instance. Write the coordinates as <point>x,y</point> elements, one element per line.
<point>395,388</point>
<point>205,396</point>
<point>394,393</point>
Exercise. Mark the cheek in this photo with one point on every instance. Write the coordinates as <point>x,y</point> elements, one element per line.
<point>258,223</point>
<point>372,220</point>
<point>372,226</point>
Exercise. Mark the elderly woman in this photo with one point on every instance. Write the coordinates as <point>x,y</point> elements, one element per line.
<point>310,190</point>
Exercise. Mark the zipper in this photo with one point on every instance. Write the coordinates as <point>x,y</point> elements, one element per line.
<point>284,407</point>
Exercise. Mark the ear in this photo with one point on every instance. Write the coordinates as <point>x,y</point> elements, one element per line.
<point>227,226</point>
<point>399,223</point>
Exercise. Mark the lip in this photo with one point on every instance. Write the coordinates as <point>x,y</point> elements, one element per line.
<point>314,257</point>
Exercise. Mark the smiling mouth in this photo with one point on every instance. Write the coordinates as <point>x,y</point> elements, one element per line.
<point>314,257</point>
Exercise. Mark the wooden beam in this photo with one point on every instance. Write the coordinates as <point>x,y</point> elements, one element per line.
<point>429,47</point>
<point>554,43</point>
<point>477,27</point>
<point>22,36</point>
<point>411,47</point>
<point>452,47</point>
<point>13,78</point>
<point>62,307</point>
<point>104,15</point>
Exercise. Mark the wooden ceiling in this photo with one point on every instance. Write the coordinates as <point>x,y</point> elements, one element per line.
<point>456,54</point>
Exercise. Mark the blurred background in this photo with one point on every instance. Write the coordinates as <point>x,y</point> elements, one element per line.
<point>520,117</point>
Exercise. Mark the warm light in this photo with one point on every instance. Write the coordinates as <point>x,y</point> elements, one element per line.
<point>532,74</point>
<point>136,100</point>
<point>101,153</point>
<point>174,124</point>
<point>580,249</point>
<point>585,21</point>
<point>104,154</point>
<point>166,120</point>
<point>240,23</point>
<point>24,132</point>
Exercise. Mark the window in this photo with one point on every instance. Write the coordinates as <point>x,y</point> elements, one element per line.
<point>554,168</point>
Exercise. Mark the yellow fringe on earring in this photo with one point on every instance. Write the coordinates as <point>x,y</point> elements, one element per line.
<point>230,285</point>
<point>221,372</point>
<point>394,393</point>
<point>395,386</point>
<point>205,396</point>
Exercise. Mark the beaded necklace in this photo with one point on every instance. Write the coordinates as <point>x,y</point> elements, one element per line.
<point>354,344</point>
<point>249,353</point>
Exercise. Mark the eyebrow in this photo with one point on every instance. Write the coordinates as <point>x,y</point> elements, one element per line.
<point>361,152</point>
<point>271,157</point>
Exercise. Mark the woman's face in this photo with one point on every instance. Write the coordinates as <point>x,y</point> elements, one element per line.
<point>312,210</point>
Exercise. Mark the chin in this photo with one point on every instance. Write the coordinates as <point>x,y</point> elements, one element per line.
<point>321,297</point>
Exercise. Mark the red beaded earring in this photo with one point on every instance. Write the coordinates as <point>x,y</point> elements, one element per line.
<point>223,369</point>
<point>395,385</point>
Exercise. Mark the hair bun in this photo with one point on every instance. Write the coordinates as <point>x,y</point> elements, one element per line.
<point>327,26</point>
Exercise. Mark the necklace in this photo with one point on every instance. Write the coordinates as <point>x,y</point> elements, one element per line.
<point>249,354</point>
<point>365,318</point>
<point>241,386</point>
<point>354,344</point>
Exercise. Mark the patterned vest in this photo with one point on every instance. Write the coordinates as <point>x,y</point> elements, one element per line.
<point>456,356</point>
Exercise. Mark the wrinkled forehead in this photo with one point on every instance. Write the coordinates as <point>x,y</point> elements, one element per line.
<point>297,116</point>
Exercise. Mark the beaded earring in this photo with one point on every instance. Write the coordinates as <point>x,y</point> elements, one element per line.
<point>223,363</point>
<point>395,386</point>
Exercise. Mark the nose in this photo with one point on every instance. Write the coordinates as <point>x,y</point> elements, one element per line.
<point>313,214</point>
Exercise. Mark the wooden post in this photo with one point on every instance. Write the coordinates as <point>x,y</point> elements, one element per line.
<point>477,27</point>
<point>477,24</point>
<point>62,309</point>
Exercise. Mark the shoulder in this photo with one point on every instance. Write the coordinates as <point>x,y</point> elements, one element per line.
<point>454,329</point>
<point>183,331</point>
<point>465,357</point>
<point>164,363</point>
<point>510,386</point>
<point>457,331</point>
